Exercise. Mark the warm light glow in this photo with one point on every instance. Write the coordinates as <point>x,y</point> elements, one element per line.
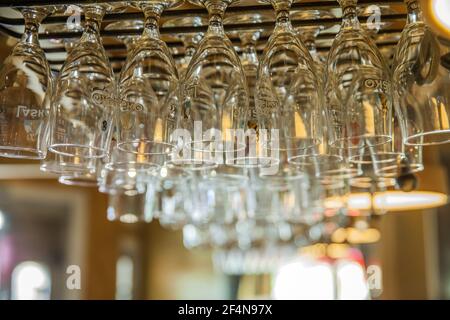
<point>124,278</point>
<point>441,11</point>
<point>158,136</point>
<point>352,283</point>
<point>304,279</point>
<point>310,279</point>
<point>129,218</point>
<point>356,236</point>
<point>30,281</point>
<point>132,173</point>
<point>369,118</point>
<point>437,16</point>
<point>226,125</point>
<point>141,152</point>
<point>392,201</point>
<point>300,129</point>
<point>332,250</point>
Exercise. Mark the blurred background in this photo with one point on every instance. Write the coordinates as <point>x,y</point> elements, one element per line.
<point>50,232</point>
<point>46,227</point>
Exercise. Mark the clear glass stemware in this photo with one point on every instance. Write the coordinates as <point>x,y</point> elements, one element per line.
<point>85,95</point>
<point>26,87</point>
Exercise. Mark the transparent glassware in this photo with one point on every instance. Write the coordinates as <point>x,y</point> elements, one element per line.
<point>190,40</point>
<point>148,89</point>
<point>222,194</point>
<point>320,160</point>
<point>85,95</point>
<point>57,163</point>
<point>309,34</point>
<point>169,197</point>
<point>195,237</point>
<point>285,60</point>
<point>129,41</point>
<point>214,99</point>
<point>85,178</point>
<point>26,87</point>
<point>74,171</point>
<point>68,43</point>
<point>258,157</point>
<point>127,208</point>
<point>127,172</point>
<point>422,79</point>
<point>369,121</point>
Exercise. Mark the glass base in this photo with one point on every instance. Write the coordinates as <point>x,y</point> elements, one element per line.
<point>76,150</point>
<point>366,183</point>
<point>146,147</point>
<point>253,162</point>
<point>392,171</point>
<point>60,168</point>
<point>379,158</point>
<point>193,164</point>
<point>78,180</point>
<point>21,153</point>
<point>360,142</point>
<point>429,138</point>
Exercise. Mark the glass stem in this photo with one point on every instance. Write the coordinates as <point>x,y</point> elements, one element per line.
<point>33,18</point>
<point>248,41</point>
<point>283,20</point>
<point>350,17</point>
<point>152,15</point>
<point>93,19</point>
<point>414,12</point>
<point>189,53</point>
<point>216,24</point>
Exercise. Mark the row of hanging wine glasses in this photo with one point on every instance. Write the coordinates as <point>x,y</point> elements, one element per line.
<point>159,137</point>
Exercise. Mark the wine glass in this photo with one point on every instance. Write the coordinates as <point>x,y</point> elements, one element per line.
<point>169,196</point>
<point>26,87</point>
<point>84,100</point>
<point>126,172</point>
<point>422,78</point>
<point>294,110</point>
<point>368,123</point>
<point>250,63</point>
<point>148,89</point>
<point>190,40</point>
<point>127,208</point>
<point>214,99</point>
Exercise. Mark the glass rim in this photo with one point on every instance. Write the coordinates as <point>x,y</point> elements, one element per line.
<point>191,164</point>
<point>102,151</point>
<point>409,139</point>
<point>157,143</point>
<point>253,166</point>
<point>392,171</point>
<point>15,153</point>
<point>337,143</point>
<point>386,157</point>
<point>78,180</point>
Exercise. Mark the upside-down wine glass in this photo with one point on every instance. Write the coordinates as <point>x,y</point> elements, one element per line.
<point>368,122</point>
<point>26,87</point>
<point>422,79</point>
<point>285,60</point>
<point>214,99</point>
<point>148,89</point>
<point>85,95</point>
